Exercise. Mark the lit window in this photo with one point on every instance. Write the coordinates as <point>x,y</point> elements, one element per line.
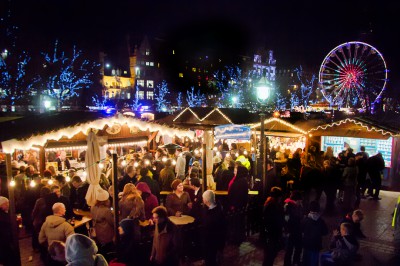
<point>147,63</point>
<point>150,95</point>
<point>141,95</point>
<point>128,95</point>
<point>150,84</point>
<point>140,82</point>
<point>181,75</point>
<point>151,63</point>
<point>173,51</point>
<point>125,72</point>
<point>194,69</point>
<point>147,51</point>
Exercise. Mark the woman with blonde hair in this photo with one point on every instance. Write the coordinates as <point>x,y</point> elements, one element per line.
<point>125,205</point>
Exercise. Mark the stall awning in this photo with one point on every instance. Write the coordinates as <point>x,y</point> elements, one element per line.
<point>351,128</point>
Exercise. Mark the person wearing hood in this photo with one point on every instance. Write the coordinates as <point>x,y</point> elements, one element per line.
<point>82,251</point>
<point>55,226</point>
<point>313,228</point>
<point>150,201</point>
<point>293,216</point>
<point>344,247</point>
<point>273,224</point>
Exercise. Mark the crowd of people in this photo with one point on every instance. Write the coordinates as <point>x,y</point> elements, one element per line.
<point>291,210</point>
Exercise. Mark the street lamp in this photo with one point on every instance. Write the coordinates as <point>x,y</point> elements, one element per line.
<point>263,88</point>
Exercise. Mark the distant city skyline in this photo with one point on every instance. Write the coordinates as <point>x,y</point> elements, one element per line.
<point>299,32</point>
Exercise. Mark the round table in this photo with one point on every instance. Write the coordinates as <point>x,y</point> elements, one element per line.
<point>183,220</point>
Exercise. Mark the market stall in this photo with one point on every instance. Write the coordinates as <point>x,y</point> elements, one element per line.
<point>356,132</point>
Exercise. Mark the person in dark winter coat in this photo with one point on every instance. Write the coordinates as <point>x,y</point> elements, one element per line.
<point>214,229</point>
<point>129,177</point>
<point>273,223</point>
<point>128,247</point>
<point>314,228</point>
<point>237,202</point>
<point>349,176</point>
<point>331,178</point>
<point>293,216</point>
<point>164,241</point>
<point>153,185</point>
<point>344,247</point>
<point>7,250</point>
<point>375,165</point>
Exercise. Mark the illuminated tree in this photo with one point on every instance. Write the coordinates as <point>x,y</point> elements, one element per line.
<point>66,76</point>
<point>136,104</point>
<point>160,97</point>
<point>179,100</point>
<point>15,86</point>
<point>307,85</point>
<point>195,99</point>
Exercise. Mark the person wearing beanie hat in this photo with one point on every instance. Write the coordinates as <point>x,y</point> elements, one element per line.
<point>80,250</point>
<point>314,227</point>
<point>128,250</point>
<point>103,221</point>
<point>178,202</point>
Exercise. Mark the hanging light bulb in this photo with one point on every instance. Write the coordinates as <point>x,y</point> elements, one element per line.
<point>245,152</point>
<point>237,154</point>
<point>228,155</point>
<point>12,183</point>
<point>218,153</point>
<point>201,150</point>
<point>196,151</point>
<point>164,159</point>
<point>146,162</point>
<point>32,183</point>
<point>101,165</point>
<point>123,163</point>
<point>215,149</point>
<point>173,162</point>
<point>135,164</point>
<point>252,148</point>
<point>50,182</point>
<point>67,179</point>
<point>84,174</point>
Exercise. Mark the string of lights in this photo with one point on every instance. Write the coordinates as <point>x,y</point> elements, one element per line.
<point>349,120</point>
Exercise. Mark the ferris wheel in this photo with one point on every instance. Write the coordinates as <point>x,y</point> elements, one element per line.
<point>353,74</point>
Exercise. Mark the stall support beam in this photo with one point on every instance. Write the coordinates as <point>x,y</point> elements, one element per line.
<point>115,197</point>
<point>262,155</point>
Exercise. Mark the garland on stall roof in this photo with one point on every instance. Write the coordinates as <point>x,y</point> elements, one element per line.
<point>349,120</point>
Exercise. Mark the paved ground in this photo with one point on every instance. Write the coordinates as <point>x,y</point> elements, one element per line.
<point>376,249</point>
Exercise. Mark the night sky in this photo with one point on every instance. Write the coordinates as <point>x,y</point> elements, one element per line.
<point>299,32</point>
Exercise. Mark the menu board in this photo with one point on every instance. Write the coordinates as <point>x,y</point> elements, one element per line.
<point>372,146</point>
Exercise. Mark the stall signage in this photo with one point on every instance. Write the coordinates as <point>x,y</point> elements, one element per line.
<point>232,132</point>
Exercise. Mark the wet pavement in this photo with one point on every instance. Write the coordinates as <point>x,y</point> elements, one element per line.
<point>377,249</point>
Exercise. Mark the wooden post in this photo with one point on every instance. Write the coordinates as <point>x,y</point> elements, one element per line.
<point>13,217</point>
<point>115,194</point>
<point>42,160</point>
<point>204,167</point>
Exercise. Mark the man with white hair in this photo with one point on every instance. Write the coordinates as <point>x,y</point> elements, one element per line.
<point>214,229</point>
<point>55,227</point>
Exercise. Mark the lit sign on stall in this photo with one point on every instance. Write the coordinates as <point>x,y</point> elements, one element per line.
<point>232,132</point>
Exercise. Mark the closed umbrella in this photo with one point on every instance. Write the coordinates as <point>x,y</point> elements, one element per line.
<point>92,168</point>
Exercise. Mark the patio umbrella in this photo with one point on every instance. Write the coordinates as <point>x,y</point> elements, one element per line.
<point>92,168</point>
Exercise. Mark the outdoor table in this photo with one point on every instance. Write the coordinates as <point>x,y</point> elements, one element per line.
<point>182,220</point>
<point>85,221</point>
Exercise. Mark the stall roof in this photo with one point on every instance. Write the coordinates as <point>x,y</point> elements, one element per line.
<point>26,132</point>
<point>279,127</point>
<point>355,128</point>
<point>210,117</point>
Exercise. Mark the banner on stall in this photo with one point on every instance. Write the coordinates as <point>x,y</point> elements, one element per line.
<point>232,132</point>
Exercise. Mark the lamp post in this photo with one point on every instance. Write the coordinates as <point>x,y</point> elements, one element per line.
<point>263,88</point>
